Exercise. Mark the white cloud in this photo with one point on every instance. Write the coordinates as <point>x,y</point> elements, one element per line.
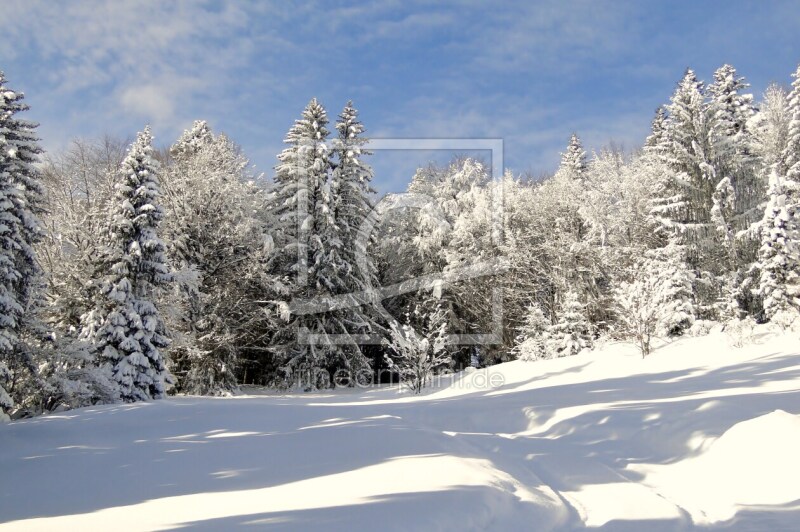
<point>143,61</point>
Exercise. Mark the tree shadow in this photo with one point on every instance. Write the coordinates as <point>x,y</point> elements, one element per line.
<point>567,436</point>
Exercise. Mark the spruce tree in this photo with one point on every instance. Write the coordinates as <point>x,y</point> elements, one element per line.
<point>351,190</point>
<point>779,255</point>
<point>738,191</point>
<point>571,333</point>
<point>779,261</point>
<point>532,339</point>
<point>685,207</point>
<point>302,197</point>
<point>305,229</point>
<point>655,140</point>
<point>729,112</point>
<point>791,155</point>
<point>126,328</point>
<point>573,160</point>
<point>20,198</point>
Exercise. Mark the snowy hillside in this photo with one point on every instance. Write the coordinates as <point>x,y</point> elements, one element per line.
<point>700,434</point>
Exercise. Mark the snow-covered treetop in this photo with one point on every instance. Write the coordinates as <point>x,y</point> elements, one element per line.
<point>770,127</point>
<point>792,154</point>
<point>307,150</point>
<point>348,125</point>
<point>192,139</point>
<point>657,130</point>
<point>573,160</point>
<point>312,125</point>
<point>19,145</point>
<point>729,108</point>
<point>138,192</point>
<point>350,145</point>
<point>688,94</point>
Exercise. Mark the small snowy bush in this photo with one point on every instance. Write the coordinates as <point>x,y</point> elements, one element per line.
<point>701,328</point>
<point>786,320</point>
<point>415,356</point>
<point>740,331</point>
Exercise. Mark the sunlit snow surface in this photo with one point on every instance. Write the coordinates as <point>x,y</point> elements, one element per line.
<point>699,435</point>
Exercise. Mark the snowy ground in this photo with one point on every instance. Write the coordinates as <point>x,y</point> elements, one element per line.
<point>699,435</point>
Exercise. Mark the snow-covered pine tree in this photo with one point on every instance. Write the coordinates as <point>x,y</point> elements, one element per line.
<point>192,140</point>
<point>126,328</point>
<point>702,213</point>
<point>351,190</point>
<point>575,264</point>
<point>779,260</point>
<point>738,192</point>
<point>304,235</point>
<point>183,246</point>
<point>571,333</point>
<point>573,160</point>
<point>20,198</point>
<point>351,204</point>
<point>791,155</point>
<point>678,312</point>
<point>769,131</point>
<point>655,140</point>
<point>729,112</point>
<point>532,338</point>
<point>779,255</point>
<point>685,207</point>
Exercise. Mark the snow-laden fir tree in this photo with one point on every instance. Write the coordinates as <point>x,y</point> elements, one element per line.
<point>125,328</point>
<point>685,205</point>
<point>791,155</point>
<point>192,141</point>
<point>729,112</point>
<point>739,190</point>
<point>532,340</point>
<point>779,259</point>
<point>20,198</point>
<point>571,333</point>
<point>351,190</point>
<point>679,311</point>
<point>573,160</point>
<point>573,256</point>
<point>305,235</point>
<point>779,255</point>
<point>655,140</point>
<point>351,205</point>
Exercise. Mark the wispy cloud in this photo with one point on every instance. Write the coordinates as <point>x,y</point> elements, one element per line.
<point>530,73</point>
<point>147,61</point>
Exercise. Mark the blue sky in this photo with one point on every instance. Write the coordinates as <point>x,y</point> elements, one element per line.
<point>527,72</point>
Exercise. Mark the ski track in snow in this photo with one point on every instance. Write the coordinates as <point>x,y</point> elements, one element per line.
<point>698,436</point>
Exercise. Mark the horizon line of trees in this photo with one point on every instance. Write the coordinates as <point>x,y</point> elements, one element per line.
<point>130,272</point>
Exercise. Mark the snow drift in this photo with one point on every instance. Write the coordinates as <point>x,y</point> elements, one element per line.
<point>698,435</point>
